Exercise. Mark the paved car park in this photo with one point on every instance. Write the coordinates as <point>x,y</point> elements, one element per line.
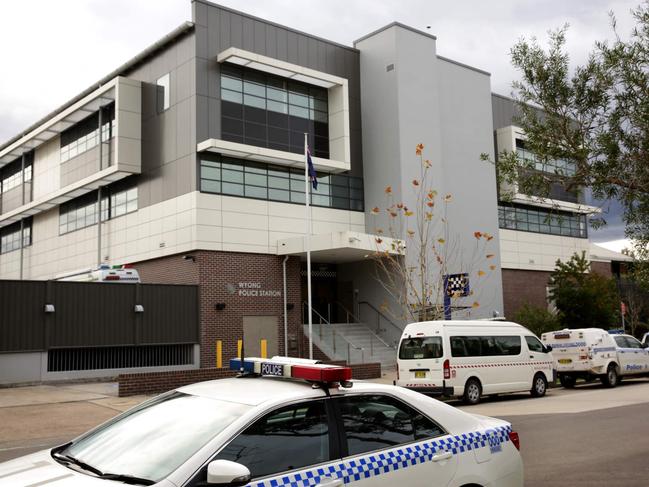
<point>589,436</point>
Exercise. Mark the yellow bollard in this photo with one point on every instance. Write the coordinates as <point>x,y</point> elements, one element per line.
<point>239,347</point>
<point>264,348</point>
<point>219,354</point>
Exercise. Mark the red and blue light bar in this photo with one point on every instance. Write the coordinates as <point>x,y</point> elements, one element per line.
<point>293,368</point>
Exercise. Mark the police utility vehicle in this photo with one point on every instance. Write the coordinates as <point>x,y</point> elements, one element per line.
<point>470,358</point>
<point>590,353</point>
<point>283,422</point>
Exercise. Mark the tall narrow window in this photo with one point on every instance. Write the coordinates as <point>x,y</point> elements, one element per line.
<point>164,86</point>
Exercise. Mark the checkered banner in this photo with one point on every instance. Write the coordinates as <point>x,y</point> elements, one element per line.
<point>457,285</point>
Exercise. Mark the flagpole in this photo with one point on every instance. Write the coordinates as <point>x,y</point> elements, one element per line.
<point>307,244</point>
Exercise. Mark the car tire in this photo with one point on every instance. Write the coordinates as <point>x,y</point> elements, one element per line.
<point>567,381</point>
<point>539,386</point>
<point>611,377</point>
<point>472,392</point>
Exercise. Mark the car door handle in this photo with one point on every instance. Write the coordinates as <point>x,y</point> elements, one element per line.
<point>440,457</point>
<point>531,356</point>
<point>330,482</point>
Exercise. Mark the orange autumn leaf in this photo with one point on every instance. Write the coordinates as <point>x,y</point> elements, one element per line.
<point>492,267</point>
<point>441,240</point>
<point>393,214</point>
<point>388,190</point>
<point>490,256</point>
<point>408,213</point>
<point>430,204</point>
<point>399,205</point>
<point>429,216</point>
<point>448,198</point>
<point>379,240</point>
<point>477,234</point>
<point>419,149</point>
<point>475,304</point>
<point>489,237</point>
<point>415,182</point>
<point>375,210</point>
<point>481,273</point>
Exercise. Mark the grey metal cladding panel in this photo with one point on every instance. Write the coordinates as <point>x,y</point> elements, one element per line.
<point>282,43</point>
<point>248,34</point>
<point>292,47</point>
<point>22,324</point>
<point>302,50</point>
<point>260,37</point>
<point>312,53</point>
<point>227,32</point>
<point>504,111</point>
<point>236,33</point>
<point>170,314</point>
<point>271,42</point>
<point>92,314</point>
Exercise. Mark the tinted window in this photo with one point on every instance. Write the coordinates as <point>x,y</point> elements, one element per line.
<point>376,422</point>
<point>485,346</point>
<point>534,344</point>
<point>421,348</point>
<point>621,341</point>
<point>287,439</point>
<point>633,342</point>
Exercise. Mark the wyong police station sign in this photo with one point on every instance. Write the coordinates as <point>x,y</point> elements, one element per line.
<point>256,290</point>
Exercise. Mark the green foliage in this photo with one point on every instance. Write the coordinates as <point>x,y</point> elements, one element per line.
<point>584,300</point>
<point>595,116</point>
<point>538,320</point>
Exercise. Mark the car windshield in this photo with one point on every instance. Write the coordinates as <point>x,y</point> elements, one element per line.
<point>420,348</point>
<point>153,440</point>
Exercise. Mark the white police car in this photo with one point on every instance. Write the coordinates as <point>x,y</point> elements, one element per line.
<point>322,430</point>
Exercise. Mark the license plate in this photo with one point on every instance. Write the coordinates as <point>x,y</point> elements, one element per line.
<point>565,360</point>
<point>268,368</point>
<point>420,374</point>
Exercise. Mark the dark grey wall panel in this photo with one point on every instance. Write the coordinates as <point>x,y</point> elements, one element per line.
<point>170,314</point>
<point>504,111</point>
<point>22,320</point>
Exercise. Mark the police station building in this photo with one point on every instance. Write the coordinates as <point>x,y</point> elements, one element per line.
<point>195,149</point>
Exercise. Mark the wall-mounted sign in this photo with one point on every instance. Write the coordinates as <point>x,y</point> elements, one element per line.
<point>256,290</point>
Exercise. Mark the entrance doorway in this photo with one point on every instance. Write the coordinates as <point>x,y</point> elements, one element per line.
<point>329,296</point>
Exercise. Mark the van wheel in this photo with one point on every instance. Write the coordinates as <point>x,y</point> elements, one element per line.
<point>539,386</point>
<point>611,377</point>
<point>472,392</point>
<point>567,381</point>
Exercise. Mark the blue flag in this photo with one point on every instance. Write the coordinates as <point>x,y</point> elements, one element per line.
<point>312,174</point>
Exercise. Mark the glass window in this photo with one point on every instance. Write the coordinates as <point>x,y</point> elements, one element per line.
<point>83,136</point>
<point>421,348</point>
<point>173,427</point>
<point>290,438</point>
<point>542,221</point>
<point>633,342</point>
<point>485,346</point>
<point>377,422</point>
<point>10,236</point>
<point>534,344</point>
<point>621,341</point>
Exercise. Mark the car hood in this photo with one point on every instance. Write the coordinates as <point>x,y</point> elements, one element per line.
<point>42,470</point>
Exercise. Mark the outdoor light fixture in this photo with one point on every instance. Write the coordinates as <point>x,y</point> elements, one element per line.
<point>220,306</point>
<point>189,257</point>
<point>49,308</point>
<point>139,308</point>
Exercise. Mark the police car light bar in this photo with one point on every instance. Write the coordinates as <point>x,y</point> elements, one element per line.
<point>292,368</point>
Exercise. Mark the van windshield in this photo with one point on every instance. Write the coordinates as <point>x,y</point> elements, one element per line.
<point>420,348</point>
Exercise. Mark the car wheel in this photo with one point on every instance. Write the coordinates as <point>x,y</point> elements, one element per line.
<point>539,386</point>
<point>611,377</point>
<point>567,381</point>
<point>472,391</point>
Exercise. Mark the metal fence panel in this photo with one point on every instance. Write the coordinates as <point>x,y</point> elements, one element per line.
<point>22,319</point>
<point>170,314</point>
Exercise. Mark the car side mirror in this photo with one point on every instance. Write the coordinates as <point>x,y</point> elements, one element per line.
<point>547,348</point>
<point>225,472</point>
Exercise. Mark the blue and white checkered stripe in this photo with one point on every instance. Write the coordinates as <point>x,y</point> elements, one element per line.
<point>381,463</point>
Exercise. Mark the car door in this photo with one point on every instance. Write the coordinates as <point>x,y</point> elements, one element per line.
<point>539,358</point>
<point>625,355</point>
<point>640,355</point>
<point>386,443</point>
<point>294,445</point>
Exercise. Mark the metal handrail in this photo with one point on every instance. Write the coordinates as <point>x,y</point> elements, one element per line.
<point>349,343</point>
<point>380,313</point>
<point>357,320</point>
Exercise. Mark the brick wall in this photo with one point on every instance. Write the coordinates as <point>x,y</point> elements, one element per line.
<point>603,268</point>
<point>524,287</point>
<point>150,383</point>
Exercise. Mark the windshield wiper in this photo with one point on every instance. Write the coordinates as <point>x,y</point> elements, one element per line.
<point>78,463</point>
<point>127,479</point>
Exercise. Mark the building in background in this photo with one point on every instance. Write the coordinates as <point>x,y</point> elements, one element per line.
<point>187,162</point>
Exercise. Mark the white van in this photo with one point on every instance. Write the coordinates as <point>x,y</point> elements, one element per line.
<point>590,353</point>
<point>470,358</point>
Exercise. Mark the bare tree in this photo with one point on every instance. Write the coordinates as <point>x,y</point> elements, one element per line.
<point>423,252</point>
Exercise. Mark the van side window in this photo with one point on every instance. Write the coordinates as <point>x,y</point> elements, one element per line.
<point>485,346</point>
<point>534,344</point>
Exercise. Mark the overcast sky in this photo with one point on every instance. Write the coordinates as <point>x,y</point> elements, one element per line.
<point>51,50</point>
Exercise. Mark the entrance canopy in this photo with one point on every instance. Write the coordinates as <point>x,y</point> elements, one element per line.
<point>340,247</point>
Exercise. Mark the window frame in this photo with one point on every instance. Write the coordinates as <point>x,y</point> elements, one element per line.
<point>340,426</point>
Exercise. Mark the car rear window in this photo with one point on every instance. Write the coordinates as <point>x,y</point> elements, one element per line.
<point>417,348</point>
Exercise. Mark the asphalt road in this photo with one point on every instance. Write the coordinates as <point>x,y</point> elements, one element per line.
<point>587,437</point>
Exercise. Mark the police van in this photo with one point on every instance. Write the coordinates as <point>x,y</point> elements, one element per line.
<point>591,353</point>
<point>469,359</point>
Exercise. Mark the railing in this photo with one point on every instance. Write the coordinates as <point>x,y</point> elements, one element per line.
<point>392,331</point>
<point>334,344</point>
<point>355,319</point>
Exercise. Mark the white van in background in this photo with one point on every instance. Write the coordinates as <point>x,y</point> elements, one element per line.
<point>589,353</point>
<point>469,359</point>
